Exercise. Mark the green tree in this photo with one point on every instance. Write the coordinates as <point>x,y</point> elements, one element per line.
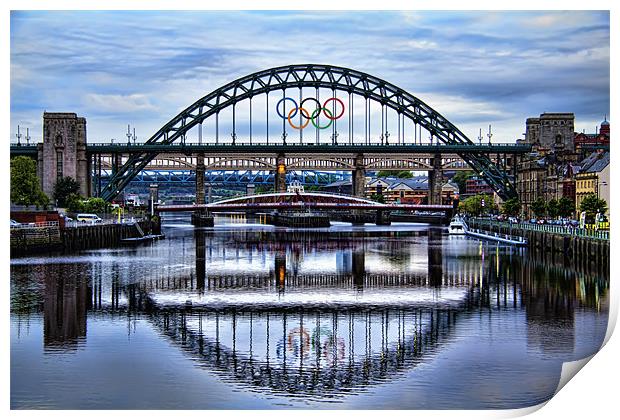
<point>262,189</point>
<point>566,207</point>
<point>378,198</point>
<point>63,188</point>
<point>74,203</point>
<point>512,207</point>
<point>553,208</point>
<point>25,186</point>
<point>460,178</point>
<point>473,205</point>
<point>539,207</point>
<point>96,205</point>
<point>591,204</point>
<point>396,174</point>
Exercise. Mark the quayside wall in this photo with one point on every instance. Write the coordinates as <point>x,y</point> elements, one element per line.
<point>37,239</point>
<point>578,248</point>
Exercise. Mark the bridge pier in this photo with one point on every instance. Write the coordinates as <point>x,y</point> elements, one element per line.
<point>280,178</point>
<point>435,180</point>
<point>201,218</point>
<point>200,178</point>
<point>116,159</point>
<point>382,218</point>
<point>359,177</point>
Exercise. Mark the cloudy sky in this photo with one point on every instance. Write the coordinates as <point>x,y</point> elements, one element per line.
<point>142,68</point>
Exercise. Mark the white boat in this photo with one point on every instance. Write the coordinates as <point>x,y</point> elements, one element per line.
<point>457,226</point>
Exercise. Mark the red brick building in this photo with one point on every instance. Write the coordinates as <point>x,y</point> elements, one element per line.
<point>475,185</point>
<point>584,140</point>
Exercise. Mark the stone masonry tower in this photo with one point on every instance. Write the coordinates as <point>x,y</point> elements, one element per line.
<point>63,151</point>
<point>551,131</point>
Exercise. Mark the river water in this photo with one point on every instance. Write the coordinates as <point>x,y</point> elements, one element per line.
<point>245,316</point>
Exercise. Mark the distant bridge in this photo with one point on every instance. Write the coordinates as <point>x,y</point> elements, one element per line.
<point>300,201</point>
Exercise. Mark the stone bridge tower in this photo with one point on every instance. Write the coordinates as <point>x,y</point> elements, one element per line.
<point>63,151</point>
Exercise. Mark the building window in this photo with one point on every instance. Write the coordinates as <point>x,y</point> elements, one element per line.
<point>59,165</point>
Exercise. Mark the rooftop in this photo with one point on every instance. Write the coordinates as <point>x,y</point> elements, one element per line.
<point>596,162</point>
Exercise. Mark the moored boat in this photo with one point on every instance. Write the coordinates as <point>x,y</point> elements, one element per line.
<point>457,226</point>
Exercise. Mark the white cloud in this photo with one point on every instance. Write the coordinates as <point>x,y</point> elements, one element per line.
<point>119,103</point>
<point>473,67</point>
<point>422,44</point>
<point>451,105</point>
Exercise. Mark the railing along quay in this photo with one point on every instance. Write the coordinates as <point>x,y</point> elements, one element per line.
<point>556,229</point>
<point>579,247</point>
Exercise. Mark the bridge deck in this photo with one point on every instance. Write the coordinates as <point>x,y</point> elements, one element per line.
<point>306,148</point>
<point>299,206</point>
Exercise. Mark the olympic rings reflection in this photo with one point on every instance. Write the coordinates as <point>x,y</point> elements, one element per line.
<point>311,117</point>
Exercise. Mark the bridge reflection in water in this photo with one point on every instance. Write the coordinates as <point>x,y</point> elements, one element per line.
<point>257,309</point>
<point>307,352</point>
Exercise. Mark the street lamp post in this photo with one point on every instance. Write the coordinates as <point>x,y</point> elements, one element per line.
<point>598,196</point>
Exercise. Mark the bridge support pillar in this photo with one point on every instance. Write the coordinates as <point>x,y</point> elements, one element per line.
<point>435,180</point>
<point>382,218</point>
<point>280,178</point>
<point>116,159</point>
<point>201,218</point>
<point>200,178</point>
<point>359,177</point>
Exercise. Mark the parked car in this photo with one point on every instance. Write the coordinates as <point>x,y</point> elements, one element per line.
<point>15,224</point>
<point>533,221</point>
<point>513,220</point>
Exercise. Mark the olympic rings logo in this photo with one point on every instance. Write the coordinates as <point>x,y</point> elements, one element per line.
<point>310,117</point>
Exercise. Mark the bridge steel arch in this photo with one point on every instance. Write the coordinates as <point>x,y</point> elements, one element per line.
<point>318,76</point>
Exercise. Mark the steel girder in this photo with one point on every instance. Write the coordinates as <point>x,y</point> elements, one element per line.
<point>318,76</point>
<point>223,177</point>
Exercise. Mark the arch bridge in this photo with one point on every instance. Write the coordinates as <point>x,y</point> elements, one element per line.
<point>300,201</point>
<point>358,122</point>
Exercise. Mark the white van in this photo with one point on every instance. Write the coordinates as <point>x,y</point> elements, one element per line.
<point>88,217</point>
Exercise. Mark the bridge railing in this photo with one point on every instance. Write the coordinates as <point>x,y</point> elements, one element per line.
<point>304,192</point>
<point>360,142</point>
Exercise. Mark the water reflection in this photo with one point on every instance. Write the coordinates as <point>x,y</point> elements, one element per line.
<point>65,307</point>
<point>312,314</point>
<point>306,353</point>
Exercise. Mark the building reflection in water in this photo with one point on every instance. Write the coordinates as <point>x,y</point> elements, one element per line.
<point>304,313</point>
<point>67,298</point>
